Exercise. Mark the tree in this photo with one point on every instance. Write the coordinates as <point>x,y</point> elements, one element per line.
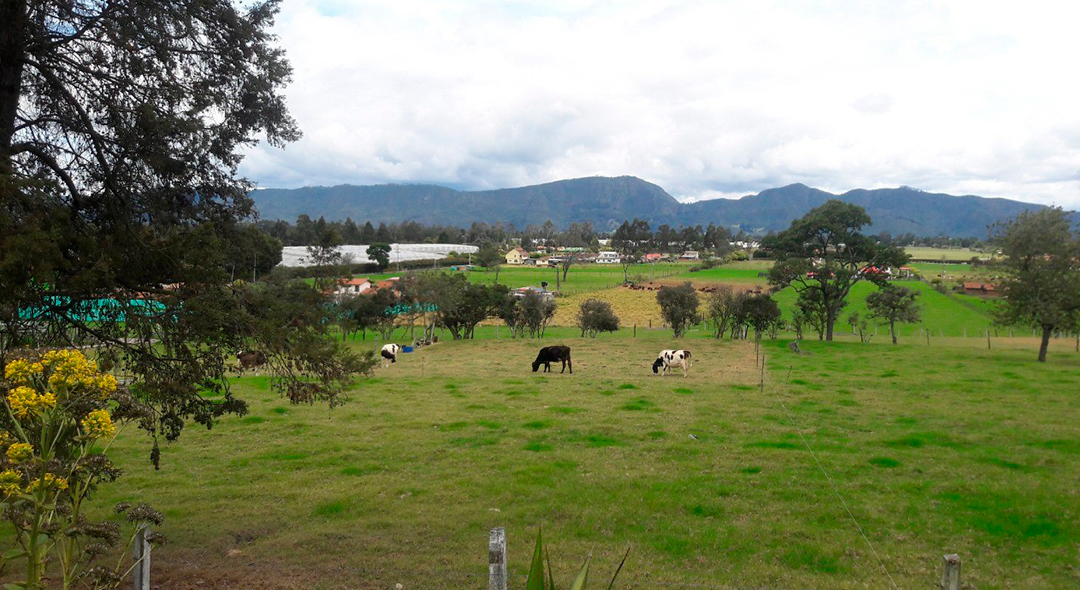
<point>678,306</point>
<point>722,306</point>
<point>1042,266</point>
<point>489,257</point>
<point>324,256</point>
<point>823,253</point>
<point>461,305</point>
<point>893,304</point>
<point>762,313</point>
<point>535,312</point>
<point>566,263</point>
<point>380,253</point>
<point>121,128</point>
<point>595,316</point>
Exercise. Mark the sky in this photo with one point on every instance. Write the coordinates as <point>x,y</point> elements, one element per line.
<point>704,98</point>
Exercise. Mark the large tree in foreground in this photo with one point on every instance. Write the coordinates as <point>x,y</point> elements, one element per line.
<point>824,255</point>
<point>1042,264</point>
<point>121,127</point>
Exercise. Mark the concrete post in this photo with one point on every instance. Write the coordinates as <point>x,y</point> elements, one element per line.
<point>141,552</point>
<point>497,559</point>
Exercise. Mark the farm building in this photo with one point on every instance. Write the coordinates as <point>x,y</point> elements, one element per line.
<point>690,255</point>
<point>652,257</point>
<point>352,287</point>
<point>517,256</point>
<point>608,257</point>
<point>980,288</point>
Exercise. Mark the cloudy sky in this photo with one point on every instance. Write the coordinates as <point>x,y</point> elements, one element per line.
<point>705,98</point>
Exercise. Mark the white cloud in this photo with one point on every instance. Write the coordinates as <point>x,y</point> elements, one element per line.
<point>703,98</point>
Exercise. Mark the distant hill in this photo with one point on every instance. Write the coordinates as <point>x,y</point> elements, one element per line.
<point>606,202</point>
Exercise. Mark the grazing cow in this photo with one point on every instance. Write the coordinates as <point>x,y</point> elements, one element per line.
<point>671,358</point>
<point>389,354</point>
<point>251,359</point>
<point>553,354</point>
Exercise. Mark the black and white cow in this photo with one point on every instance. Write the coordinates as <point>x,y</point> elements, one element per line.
<point>553,354</point>
<point>389,354</point>
<point>250,359</point>
<point>672,358</point>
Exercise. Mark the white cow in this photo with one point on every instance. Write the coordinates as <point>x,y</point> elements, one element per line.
<point>672,358</point>
<point>389,354</point>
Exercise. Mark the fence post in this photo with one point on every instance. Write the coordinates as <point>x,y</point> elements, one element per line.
<point>141,552</point>
<point>635,330</point>
<point>497,559</point>
<point>950,576</point>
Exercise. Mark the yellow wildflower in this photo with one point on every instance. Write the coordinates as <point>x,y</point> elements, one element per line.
<point>6,439</point>
<point>98,424</point>
<point>10,483</point>
<point>21,371</point>
<point>59,483</point>
<point>23,401</point>
<point>107,384</point>
<point>20,452</point>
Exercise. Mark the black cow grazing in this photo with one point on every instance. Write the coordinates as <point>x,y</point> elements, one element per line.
<point>389,354</point>
<point>553,354</point>
<point>671,358</point>
<point>251,359</point>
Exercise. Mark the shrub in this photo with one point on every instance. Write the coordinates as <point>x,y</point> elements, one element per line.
<point>678,306</point>
<point>595,316</point>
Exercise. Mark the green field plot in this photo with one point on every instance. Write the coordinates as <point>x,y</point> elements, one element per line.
<point>947,448</point>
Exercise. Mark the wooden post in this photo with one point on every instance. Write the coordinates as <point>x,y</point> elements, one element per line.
<point>141,551</point>
<point>988,339</point>
<point>635,330</point>
<point>927,330</point>
<point>950,575</point>
<point>497,559</point>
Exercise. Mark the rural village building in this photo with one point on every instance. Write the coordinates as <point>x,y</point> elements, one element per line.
<point>517,256</point>
<point>608,257</point>
<point>352,287</point>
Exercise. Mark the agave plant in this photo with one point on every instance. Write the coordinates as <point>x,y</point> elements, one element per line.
<point>536,569</point>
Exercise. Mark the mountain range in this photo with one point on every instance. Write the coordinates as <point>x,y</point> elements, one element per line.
<point>607,202</point>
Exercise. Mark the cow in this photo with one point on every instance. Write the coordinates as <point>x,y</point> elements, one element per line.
<point>250,359</point>
<point>389,354</point>
<point>553,354</point>
<point>670,358</point>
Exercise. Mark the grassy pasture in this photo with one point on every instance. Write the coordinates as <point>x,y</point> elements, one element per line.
<point>949,254</point>
<point>947,448</point>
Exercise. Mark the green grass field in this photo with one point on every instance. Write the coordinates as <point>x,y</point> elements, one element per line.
<point>935,449</point>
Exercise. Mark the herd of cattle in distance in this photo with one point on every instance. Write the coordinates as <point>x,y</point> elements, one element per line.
<point>666,361</point>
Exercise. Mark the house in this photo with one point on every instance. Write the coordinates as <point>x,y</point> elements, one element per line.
<point>608,257</point>
<point>689,255</point>
<point>652,257</point>
<point>390,283</point>
<point>980,288</point>
<point>352,287</point>
<point>517,256</point>
<point>906,272</point>
<point>586,257</point>
<point>529,262</point>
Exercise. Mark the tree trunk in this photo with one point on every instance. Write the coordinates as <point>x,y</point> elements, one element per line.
<point>1047,331</point>
<point>12,50</point>
<point>830,323</point>
<point>892,330</point>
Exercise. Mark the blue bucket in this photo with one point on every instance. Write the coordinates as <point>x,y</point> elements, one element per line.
<point>406,349</point>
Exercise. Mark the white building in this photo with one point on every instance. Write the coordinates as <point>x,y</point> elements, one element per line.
<point>608,257</point>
